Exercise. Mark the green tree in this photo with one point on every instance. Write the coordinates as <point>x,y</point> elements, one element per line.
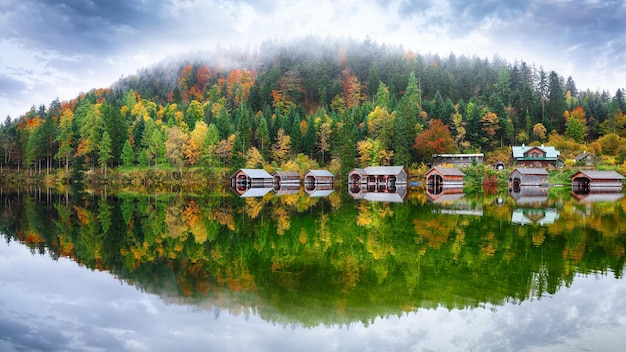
<point>346,143</point>
<point>128,155</point>
<point>383,97</point>
<point>117,127</point>
<point>296,136</point>
<point>402,142</point>
<point>263,135</point>
<point>556,103</point>
<point>90,133</point>
<point>104,152</point>
<point>244,127</point>
<point>195,113</point>
<point>575,130</point>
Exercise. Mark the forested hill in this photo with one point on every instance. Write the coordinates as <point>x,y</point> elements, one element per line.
<point>335,104</point>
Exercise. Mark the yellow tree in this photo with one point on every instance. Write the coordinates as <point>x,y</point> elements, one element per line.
<point>323,138</point>
<point>380,125</point>
<point>65,136</point>
<point>280,149</point>
<point>352,89</point>
<point>460,132</point>
<point>364,149</point>
<point>490,126</point>
<point>370,152</point>
<point>192,152</point>
<point>254,158</point>
<point>196,141</point>
<point>539,131</point>
<point>224,150</point>
<point>175,147</point>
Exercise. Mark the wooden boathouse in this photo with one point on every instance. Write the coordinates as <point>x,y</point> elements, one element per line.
<point>528,176</point>
<point>377,176</point>
<point>319,177</point>
<point>444,177</point>
<point>286,177</point>
<point>251,178</point>
<point>585,181</point>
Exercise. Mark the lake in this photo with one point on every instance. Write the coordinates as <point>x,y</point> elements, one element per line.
<point>219,270</point>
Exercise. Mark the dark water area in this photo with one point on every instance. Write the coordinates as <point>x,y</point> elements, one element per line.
<point>221,270</point>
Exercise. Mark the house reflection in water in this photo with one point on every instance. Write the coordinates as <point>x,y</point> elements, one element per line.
<point>378,183</point>
<point>390,195</point>
<point>454,203</point>
<point>318,189</point>
<point>286,188</point>
<point>606,195</point>
<point>539,216</point>
<point>441,195</point>
<point>244,191</point>
<point>529,194</point>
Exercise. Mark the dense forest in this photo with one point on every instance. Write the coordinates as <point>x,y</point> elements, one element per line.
<point>312,103</point>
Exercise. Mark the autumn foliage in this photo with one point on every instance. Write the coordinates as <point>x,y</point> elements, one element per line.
<point>435,140</point>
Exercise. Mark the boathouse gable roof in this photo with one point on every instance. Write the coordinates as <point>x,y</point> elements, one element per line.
<point>320,173</point>
<point>255,173</point>
<point>599,175</point>
<point>530,171</point>
<point>446,171</point>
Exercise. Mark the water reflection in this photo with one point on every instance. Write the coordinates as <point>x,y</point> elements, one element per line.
<point>324,261</point>
<point>394,193</point>
<point>244,191</point>
<point>318,189</point>
<point>606,195</point>
<point>529,195</point>
<point>441,195</point>
<point>286,188</point>
<point>539,216</point>
<point>455,203</point>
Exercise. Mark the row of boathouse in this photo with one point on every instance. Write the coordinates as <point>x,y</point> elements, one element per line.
<point>389,179</point>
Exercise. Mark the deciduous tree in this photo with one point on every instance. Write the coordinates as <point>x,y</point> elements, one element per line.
<point>175,147</point>
<point>434,140</point>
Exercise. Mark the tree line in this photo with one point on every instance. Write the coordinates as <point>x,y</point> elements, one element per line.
<point>312,103</point>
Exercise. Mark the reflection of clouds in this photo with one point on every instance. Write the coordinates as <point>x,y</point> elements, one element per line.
<point>57,305</point>
<point>554,322</point>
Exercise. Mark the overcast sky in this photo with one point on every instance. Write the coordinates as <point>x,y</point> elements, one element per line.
<point>59,48</point>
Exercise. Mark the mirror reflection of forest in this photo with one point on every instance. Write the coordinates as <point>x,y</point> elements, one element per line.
<point>297,259</point>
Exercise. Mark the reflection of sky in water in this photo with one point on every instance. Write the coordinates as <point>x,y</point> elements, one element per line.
<point>50,305</point>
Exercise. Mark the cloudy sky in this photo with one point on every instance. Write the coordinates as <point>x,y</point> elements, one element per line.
<point>59,48</point>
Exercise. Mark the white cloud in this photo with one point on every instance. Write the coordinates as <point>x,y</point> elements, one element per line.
<point>64,47</point>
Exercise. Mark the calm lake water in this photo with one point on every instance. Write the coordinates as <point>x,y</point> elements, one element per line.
<point>539,270</point>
